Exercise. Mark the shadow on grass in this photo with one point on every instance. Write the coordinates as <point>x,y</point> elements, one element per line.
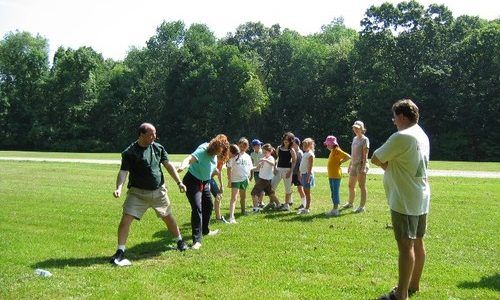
<point>489,282</point>
<point>137,252</point>
<point>292,216</point>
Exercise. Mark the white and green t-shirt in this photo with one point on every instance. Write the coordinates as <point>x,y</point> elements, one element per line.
<point>241,166</point>
<point>405,179</point>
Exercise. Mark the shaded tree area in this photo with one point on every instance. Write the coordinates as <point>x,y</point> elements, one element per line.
<point>260,82</point>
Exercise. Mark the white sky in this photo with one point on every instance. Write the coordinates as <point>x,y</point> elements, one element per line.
<point>111,27</point>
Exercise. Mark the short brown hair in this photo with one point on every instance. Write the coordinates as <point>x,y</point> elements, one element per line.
<point>408,108</point>
<point>268,147</point>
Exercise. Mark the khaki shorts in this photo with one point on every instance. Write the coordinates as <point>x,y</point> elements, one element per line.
<point>139,200</point>
<point>408,227</point>
<point>359,169</point>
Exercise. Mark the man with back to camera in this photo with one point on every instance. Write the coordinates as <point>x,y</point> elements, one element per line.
<point>146,186</point>
<point>405,158</point>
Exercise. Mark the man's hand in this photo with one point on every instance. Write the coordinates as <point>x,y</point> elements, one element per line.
<point>117,193</point>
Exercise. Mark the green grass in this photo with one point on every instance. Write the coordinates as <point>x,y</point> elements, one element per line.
<point>62,217</point>
<point>436,165</point>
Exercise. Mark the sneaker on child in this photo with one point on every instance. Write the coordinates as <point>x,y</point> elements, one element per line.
<point>359,210</point>
<point>303,211</point>
<point>270,206</point>
<point>222,220</point>
<point>181,245</point>
<point>284,207</point>
<point>347,205</point>
<point>333,213</point>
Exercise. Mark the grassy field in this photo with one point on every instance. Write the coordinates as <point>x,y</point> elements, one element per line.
<point>436,165</point>
<point>62,217</point>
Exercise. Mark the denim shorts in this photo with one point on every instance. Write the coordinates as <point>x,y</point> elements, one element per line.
<point>303,180</point>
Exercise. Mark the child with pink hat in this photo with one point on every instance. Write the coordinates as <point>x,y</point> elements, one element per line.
<point>335,159</point>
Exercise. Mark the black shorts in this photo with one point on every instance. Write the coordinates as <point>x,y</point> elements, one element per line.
<point>296,180</point>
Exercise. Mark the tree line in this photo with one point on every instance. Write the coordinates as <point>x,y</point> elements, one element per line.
<point>260,82</point>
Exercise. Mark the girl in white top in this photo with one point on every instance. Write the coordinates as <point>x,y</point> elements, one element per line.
<point>266,173</point>
<point>239,168</point>
<point>306,173</point>
<point>358,167</point>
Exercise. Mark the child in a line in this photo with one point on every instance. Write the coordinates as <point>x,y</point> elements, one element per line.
<point>296,172</point>
<point>284,168</point>
<point>306,173</point>
<point>256,155</point>
<point>266,174</point>
<point>217,190</point>
<point>336,158</point>
<point>358,166</point>
<point>238,174</point>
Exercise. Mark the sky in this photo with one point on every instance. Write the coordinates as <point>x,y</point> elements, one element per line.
<point>111,27</point>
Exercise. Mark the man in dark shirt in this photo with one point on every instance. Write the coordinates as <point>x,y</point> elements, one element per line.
<point>146,186</point>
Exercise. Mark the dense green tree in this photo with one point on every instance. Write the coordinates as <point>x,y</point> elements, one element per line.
<point>73,89</point>
<point>260,82</point>
<point>23,69</point>
<point>475,97</point>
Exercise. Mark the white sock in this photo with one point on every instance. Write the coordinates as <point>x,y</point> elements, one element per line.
<point>121,247</point>
<point>179,238</point>
<point>304,201</point>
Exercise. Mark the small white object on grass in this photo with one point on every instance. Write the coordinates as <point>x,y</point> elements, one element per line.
<point>43,273</point>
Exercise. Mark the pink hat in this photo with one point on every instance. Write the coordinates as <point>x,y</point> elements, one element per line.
<point>330,141</point>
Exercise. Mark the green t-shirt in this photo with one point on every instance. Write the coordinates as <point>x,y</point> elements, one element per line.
<point>205,164</point>
<point>144,165</point>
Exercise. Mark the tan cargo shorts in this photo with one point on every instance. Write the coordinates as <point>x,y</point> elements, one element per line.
<point>139,200</point>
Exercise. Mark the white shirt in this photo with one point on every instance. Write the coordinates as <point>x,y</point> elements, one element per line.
<point>267,170</point>
<point>405,179</point>
<point>241,166</point>
<point>305,164</point>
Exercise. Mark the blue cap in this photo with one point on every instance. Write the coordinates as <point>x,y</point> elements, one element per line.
<point>256,142</point>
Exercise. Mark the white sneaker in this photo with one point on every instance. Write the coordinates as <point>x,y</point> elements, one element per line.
<point>347,205</point>
<point>196,246</point>
<point>333,213</point>
<point>303,211</point>
<point>284,207</point>
<point>214,232</point>
<point>232,221</point>
<point>359,210</point>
